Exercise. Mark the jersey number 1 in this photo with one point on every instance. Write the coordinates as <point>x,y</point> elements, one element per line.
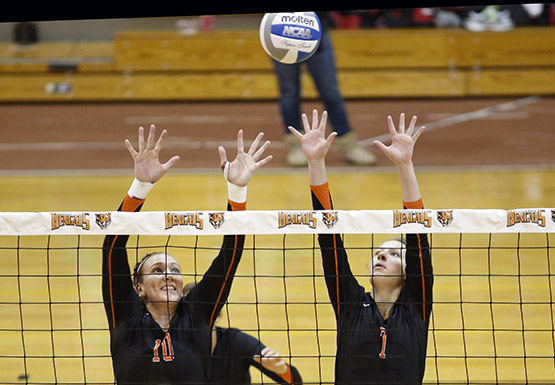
<point>383,334</point>
<point>167,349</point>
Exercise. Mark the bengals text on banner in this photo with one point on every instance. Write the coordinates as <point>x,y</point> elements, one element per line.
<point>279,222</point>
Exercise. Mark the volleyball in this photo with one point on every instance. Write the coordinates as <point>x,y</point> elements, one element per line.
<point>290,37</point>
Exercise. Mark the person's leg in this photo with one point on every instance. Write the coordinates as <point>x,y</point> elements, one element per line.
<point>321,67</point>
<point>323,71</point>
<point>289,82</point>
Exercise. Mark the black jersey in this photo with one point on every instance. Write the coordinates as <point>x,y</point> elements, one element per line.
<point>233,357</point>
<point>371,350</point>
<point>143,353</point>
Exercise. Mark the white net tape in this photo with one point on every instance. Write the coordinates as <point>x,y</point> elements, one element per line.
<point>279,222</point>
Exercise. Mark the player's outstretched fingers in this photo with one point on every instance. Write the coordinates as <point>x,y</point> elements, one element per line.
<point>169,164</point>
<point>418,133</point>
<point>402,123</point>
<point>223,157</point>
<point>391,126</point>
<point>306,125</point>
<point>323,122</point>
<point>141,138</point>
<point>412,124</point>
<point>160,141</point>
<point>295,132</point>
<point>261,150</point>
<point>130,148</point>
<point>240,143</point>
<point>151,136</point>
<point>315,119</point>
<point>254,145</point>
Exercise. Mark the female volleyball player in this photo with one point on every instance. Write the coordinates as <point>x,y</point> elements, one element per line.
<point>157,335</point>
<point>234,352</point>
<point>381,335</point>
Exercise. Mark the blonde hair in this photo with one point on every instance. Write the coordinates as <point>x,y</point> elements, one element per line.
<point>188,287</point>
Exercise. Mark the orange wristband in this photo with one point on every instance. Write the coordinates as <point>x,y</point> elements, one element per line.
<point>414,205</point>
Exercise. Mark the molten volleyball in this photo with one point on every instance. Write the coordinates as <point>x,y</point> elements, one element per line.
<point>290,37</point>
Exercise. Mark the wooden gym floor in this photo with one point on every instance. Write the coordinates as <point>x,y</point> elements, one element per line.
<point>477,153</point>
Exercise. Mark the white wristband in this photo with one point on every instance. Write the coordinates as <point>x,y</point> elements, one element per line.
<point>139,189</point>
<point>237,194</point>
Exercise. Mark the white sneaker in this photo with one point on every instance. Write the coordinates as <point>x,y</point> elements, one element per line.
<point>476,22</point>
<point>351,151</point>
<point>501,22</point>
<point>295,156</point>
<point>489,19</point>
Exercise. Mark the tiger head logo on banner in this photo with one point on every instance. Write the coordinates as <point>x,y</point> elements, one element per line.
<point>216,219</point>
<point>329,218</point>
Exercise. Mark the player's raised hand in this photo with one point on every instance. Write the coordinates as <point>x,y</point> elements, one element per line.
<point>147,159</point>
<point>271,360</point>
<point>402,140</point>
<point>241,169</point>
<point>314,142</point>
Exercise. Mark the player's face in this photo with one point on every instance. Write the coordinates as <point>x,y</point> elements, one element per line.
<point>388,261</point>
<point>161,279</point>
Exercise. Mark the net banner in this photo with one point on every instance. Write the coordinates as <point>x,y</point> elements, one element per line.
<point>279,222</point>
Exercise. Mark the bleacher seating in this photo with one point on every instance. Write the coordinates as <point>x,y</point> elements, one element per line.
<point>231,65</point>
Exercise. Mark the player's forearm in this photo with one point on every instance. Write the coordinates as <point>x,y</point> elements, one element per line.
<point>317,172</point>
<point>215,285</point>
<point>419,272</point>
<point>337,273</point>
<point>409,184</point>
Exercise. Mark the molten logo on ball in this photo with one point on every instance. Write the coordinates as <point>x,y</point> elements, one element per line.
<point>298,19</point>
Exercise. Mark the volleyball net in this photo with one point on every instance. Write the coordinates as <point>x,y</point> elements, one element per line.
<point>492,319</point>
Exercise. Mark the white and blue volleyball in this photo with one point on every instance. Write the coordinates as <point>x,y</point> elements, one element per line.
<point>290,37</point>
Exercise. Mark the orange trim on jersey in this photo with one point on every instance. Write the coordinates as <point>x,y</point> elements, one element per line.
<point>110,280</point>
<point>131,203</point>
<point>234,207</point>
<point>211,323</point>
<point>423,278</point>
<point>237,206</point>
<point>288,375</point>
<point>322,193</point>
<point>336,274</point>
<point>155,355</point>
<point>416,205</point>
